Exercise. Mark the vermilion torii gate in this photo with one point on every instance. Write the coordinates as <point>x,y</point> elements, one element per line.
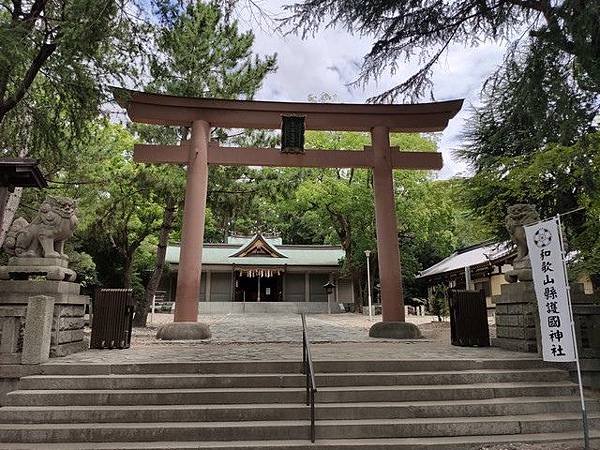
<point>199,152</point>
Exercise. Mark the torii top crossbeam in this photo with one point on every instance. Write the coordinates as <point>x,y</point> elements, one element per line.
<point>161,109</point>
<point>197,153</point>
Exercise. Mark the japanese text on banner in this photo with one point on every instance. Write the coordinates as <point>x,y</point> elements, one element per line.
<point>551,290</point>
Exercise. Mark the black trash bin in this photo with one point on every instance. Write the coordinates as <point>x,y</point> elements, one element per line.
<point>468,318</point>
<point>113,318</point>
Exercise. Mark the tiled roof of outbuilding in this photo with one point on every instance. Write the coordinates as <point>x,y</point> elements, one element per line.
<point>469,257</point>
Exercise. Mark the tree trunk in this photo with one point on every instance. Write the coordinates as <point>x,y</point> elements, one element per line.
<point>9,208</point>
<point>127,270</point>
<point>142,307</point>
<point>358,294</point>
<point>4,196</point>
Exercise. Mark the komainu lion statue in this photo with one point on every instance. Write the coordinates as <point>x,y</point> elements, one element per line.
<point>45,236</point>
<point>519,215</point>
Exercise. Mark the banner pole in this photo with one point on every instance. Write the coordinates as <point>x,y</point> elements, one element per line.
<point>586,431</point>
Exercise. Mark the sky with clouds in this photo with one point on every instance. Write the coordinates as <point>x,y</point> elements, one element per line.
<point>331,59</point>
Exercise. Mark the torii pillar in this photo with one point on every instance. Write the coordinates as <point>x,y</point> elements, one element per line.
<point>192,231</point>
<point>388,254</point>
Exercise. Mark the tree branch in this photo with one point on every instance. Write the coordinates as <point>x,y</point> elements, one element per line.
<point>42,56</point>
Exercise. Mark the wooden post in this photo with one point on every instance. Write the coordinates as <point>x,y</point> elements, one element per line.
<point>192,233</point>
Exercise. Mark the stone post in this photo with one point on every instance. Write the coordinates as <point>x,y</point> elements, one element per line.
<point>38,330</point>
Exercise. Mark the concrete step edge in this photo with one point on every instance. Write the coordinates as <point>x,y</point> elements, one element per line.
<point>544,370</point>
<point>294,423</point>
<point>524,384</point>
<point>440,443</point>
<point>406,404</point>
<point>179,367</point>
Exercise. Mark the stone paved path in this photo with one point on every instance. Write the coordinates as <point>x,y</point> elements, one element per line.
<point>261,328</point>
<point>273,337</point>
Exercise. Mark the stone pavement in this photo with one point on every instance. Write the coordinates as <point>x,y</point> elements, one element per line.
<point>275,337</point>
<point>261,328</point>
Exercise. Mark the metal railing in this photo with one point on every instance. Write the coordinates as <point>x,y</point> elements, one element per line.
<point>309,371</point>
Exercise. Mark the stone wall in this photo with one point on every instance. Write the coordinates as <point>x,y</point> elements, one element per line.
<point>40,319</point>
<point>516,317</point>
<point>12,330</point>
<point>517,326</point>
<point>67,330</point>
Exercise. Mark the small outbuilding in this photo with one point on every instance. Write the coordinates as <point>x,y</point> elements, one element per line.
<point>478,267</point>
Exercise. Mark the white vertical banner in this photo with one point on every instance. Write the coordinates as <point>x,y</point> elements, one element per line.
<point>551,290</point>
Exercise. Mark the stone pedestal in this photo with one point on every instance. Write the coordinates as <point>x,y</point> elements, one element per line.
<point>516,317</point>
<point>35,312</point>
<point>51,268</point>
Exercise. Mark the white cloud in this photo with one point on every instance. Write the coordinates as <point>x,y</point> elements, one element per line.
<point>331,59</point>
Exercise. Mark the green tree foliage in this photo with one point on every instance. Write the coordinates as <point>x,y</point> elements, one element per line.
<point>67,48</point>
<point>199,54</point>
<point>426,28</point>
<point>119,201</point>
<point>437,302</point>
<point>533,141</point>
<point>532,100</point>
<point>555,178</point>
<point>203,55</point>
<point>56,60</point>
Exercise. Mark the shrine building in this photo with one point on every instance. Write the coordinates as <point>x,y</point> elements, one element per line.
<point>261,274</point>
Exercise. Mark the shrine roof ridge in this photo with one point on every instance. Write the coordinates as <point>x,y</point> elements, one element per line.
<point>175,110</point>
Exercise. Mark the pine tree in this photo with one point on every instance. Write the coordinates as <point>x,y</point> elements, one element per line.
<point>199,54</point>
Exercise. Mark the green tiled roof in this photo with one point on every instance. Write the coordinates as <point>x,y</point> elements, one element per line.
<point>294,255</point>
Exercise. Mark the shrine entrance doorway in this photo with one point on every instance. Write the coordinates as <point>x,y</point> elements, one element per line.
<point>258,286</point>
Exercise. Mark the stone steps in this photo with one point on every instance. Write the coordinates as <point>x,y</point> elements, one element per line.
<point>291,367</point>
<point>275,411</point>
<point>287,395</point>
<point>187,381</point>
<point>431,443</point>
<point>279,430</point>
<point>410,404</point>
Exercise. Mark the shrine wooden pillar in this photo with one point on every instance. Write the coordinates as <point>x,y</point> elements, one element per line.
<point>192,232</point>
<point>388,253</point>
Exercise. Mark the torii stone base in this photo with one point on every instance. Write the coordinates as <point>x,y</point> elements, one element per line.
<point>395,330</point>
<point>183,331</point>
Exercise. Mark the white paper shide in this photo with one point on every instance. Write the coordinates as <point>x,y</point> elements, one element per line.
<point>551,289</point>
